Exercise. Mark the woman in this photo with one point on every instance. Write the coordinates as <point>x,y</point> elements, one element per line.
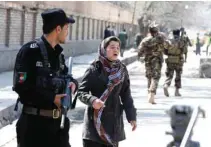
<point>105,88</point>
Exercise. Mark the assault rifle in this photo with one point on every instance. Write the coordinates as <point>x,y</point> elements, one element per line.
<point>66,102</point>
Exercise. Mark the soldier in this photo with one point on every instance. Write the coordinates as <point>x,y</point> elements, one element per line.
<point>152,48</point>
<point>208,44</point>
<point>37,80</point>
<point>174,62</point>
<point>187,42</point>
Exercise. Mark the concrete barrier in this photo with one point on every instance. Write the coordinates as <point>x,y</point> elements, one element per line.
<point>205,59</point>
<point>8,114</point>
<point>205,67</point>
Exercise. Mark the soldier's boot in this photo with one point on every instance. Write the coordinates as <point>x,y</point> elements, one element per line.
<point>165,89</point>
<point>177,92</point>
<point>151,98</point>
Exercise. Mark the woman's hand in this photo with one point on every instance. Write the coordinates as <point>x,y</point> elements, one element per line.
<point>97,104</point>
<point>134,125</point>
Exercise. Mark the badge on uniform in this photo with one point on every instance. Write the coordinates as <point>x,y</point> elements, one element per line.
<point>34,45</point>
<point>22,77</point>
<point>39,64</point>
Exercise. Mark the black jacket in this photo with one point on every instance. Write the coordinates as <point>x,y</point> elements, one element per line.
<point>93,85</point>
<point>107,33</point>
<point>28,61</point>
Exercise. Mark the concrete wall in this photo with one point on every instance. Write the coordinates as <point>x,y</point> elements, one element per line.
<point>21,24</point>
<point>71,48</point>
<point>95,9</point>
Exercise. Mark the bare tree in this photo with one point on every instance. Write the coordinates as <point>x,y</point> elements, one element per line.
<point>174,14</point>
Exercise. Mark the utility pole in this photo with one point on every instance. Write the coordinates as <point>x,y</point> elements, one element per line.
<point>132,23</point>
<point>134,11</point>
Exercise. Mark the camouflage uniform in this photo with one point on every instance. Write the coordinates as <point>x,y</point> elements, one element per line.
<point>187,42</point>
<point>152,48</point>
<point>208,45</point>
<point>174,62</point>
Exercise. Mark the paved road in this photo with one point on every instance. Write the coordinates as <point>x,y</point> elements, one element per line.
<point>152,120</point>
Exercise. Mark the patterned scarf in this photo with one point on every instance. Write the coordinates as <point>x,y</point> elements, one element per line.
<point>115,76</point>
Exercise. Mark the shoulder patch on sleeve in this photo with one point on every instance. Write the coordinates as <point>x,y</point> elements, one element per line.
<point>22,77</point>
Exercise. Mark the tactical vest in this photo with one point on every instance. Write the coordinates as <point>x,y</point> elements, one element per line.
<point>174,52</point>
<point>46,78</point>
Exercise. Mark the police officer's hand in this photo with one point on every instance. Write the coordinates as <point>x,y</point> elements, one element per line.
<point>72,86</point>
<point>97,104</point>
<point>134,125</point>
<point>57,99</point>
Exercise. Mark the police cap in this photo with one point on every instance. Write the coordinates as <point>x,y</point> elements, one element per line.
<point>54,17</point>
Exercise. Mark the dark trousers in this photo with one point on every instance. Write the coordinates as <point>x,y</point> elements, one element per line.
<point>122,52</point>
<point>39,131</point>
<point>123,48</point>
<point>198,50</point>
<point>90,143</point>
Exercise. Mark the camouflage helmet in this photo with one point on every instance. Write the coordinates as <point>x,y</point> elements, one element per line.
<point>153,27</point>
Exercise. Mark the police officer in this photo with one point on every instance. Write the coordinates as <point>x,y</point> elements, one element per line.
<point>38,66</point>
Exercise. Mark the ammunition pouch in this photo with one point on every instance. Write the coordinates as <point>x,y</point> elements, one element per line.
<point>58,85</point>
<point>173,59</point>
<point>174,51</point>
